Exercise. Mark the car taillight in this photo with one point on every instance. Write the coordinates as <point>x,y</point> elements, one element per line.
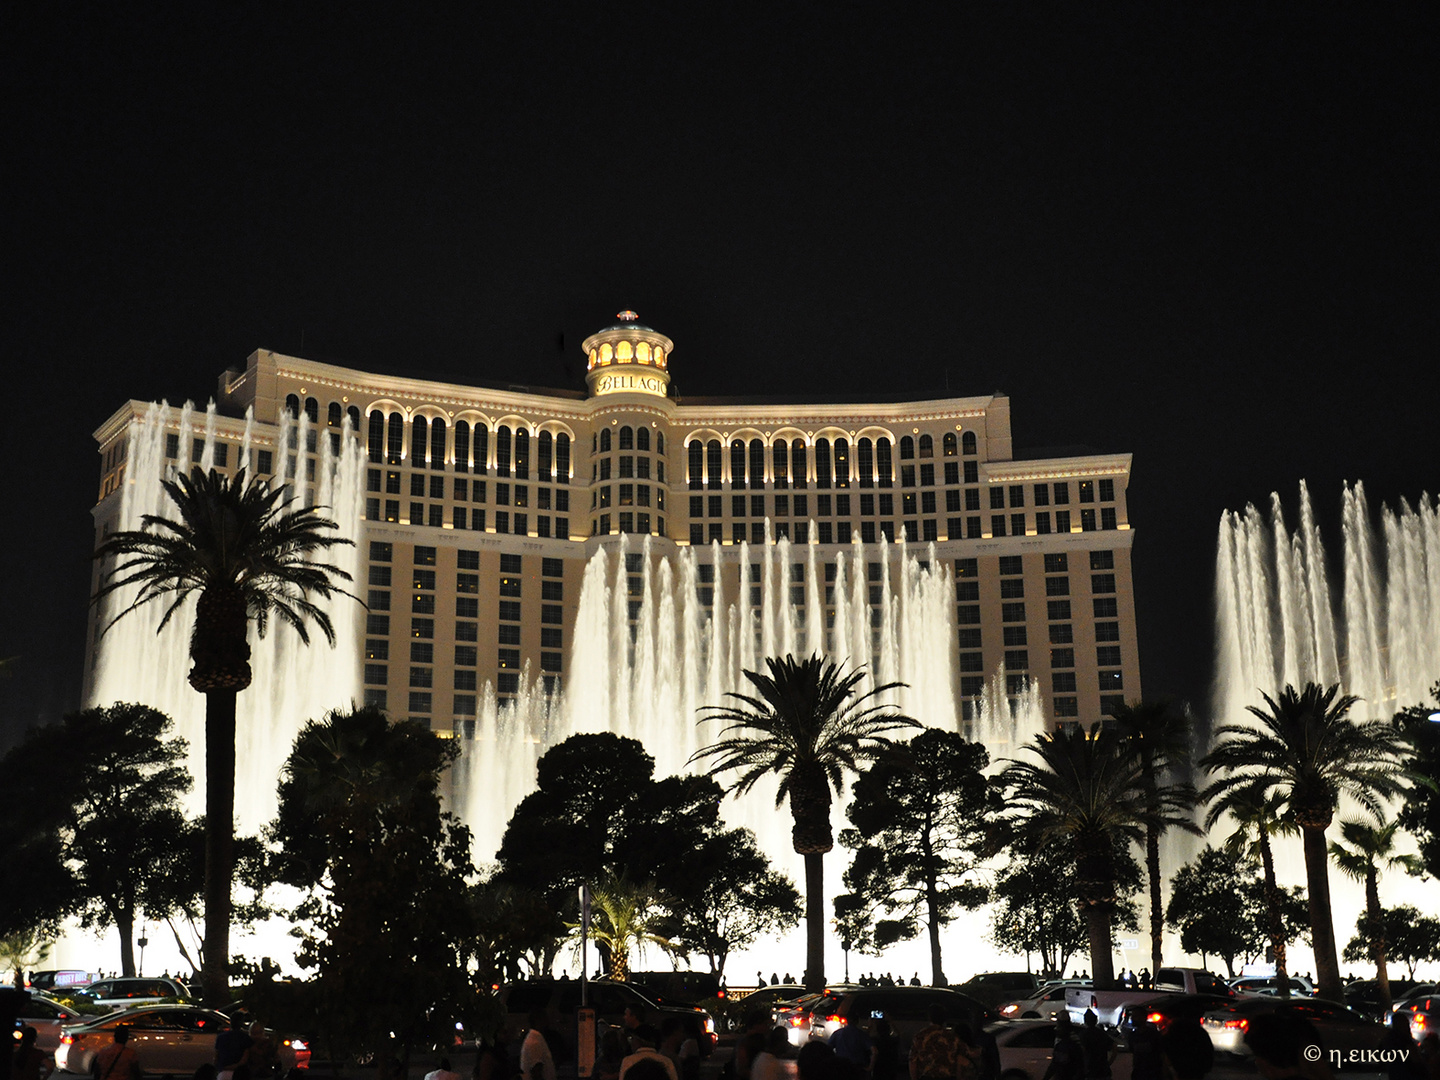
<point>710,1025</point>
<point>1237,1025</point>
<point>1155,1018</point>
<point>795,1021</point>
<point>834,1018</point>
<point>67,1039</point>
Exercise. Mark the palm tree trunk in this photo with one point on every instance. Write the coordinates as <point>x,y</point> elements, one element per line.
<point>219,842</point>
<point>1272,915</point>
<point>814,922</point>
<point>1102,946</point>
<point>1157,912</point>
<point>1322,923</point>
<point>1378,944</point>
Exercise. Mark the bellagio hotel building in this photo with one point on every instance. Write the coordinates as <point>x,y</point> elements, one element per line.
<point>483,504</point>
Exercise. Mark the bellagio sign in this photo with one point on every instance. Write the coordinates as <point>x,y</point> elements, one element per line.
<point>618,382</point>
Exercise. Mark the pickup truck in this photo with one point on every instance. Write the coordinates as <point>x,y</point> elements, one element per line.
<point>1108,1003</point>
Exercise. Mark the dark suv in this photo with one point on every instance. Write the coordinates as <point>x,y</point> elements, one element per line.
<point>907,1008</point>
<point>560,998</point>
<point>996,986</point>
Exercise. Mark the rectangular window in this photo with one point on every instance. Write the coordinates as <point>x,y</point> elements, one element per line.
<point>424,579</point>
<point>392,483</point>
<point>967,590</point>
<point>467,631</point>
<point>437,487</point>
<point>1011,564</point>
<point>1107,631</point>
<point>425,556</point>
<point>971,685</point>
<point>378,600</point>
<point>1013,612</point>
<point>627,466</point>
<point>969,638</point>
<point>1111,704</point>
<point>1017,495</point>
<point>512,564</point>
<point>697,535</point>
<point>1062,494</point>
<point>967,568</point>
<point>417,513</point>
<point>1087,491</point>
<point>1062,682</point>
<point>465,656</point>
<point>374,699</point>
<point>1057,609</point>
<point>1066,706</point>
<point>737,505</point>
<point>550,661</point>
<point>509,611</point>
<point>867,505</point>
<point>507,682</point>
<point>1017,524</point>
<point>1062,521</point>
<point>972,472</point>
<point>508,634</point>
<point>1107,518</point>
<point>1017,659</point>
<point>1087,520</point>
<point>952,501</point>
<point>842,505</point>
<point>972,661</point>
<point>1042,494</point>
<point>502,494</point>
<point>417,487</point>
<point>467,607</point>
<point>1107,655</point>
<point>627,494</point>
<point>458,519</point>
<point>1061,634</point>
<point>997,498</point>
<point>422,628</point>
<point>552,590</point>
<point>997,524</point>
<point>376,674</point>
<point>952,472</point>
<point>972,499</point>
<point>419,701</point>
<point>372,509</point>
<point>422,652</point>
<point>465,680</point>
<point>1057,586</point>
<point>380,576</point>
<point>927,502</point>
<point>1014,636</point>
<point>508,658</point>
<point>1062,658</point>
<point>552,614</point>
<point>842,532</point>
<point>1107,490</point>
<point>422,603</point>
<point>467,583</point>
<point>1110,680</point>
<point>477,520</point>
<point>1106,607</point>
<point>550,637</point>
<point>972,528</point>
<point>1057,563</point>
<point>1012,588</point>
<point>477,491</point>
<point>264,462</point>
<point>967,615</point>
<point>377,624</point>
<point>907,503</point>
<point>1102,560</point>
<point>372,480</point>
<point>1102,583</point>
<point>927,475</point>
<point>377,650</point>
<point>827,533</point>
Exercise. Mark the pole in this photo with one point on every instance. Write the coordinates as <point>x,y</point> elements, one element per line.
<point>584,942</point>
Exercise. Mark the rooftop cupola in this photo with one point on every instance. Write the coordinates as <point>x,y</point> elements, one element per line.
<point>627,357</point>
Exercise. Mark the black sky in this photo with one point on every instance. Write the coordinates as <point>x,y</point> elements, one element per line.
<point>1205,235</point>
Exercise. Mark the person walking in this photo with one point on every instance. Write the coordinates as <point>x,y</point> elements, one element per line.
<point>536,1062</point>
<point>118,1061</point>
<point>1097,1048</point>
<point>1066,1059</point>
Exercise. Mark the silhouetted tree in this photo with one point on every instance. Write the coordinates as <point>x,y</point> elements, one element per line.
<point>1218,903</point>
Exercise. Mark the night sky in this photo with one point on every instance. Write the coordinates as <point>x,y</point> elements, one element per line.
<point>1205,237</point>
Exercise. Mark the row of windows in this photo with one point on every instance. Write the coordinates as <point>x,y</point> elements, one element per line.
<point>471,446</point>
<point>464,490</point>
<point>334,415</point>
<point>627,466</point>
<point>628,521</point>
<point>264,461</point>
<point>433,517</point>
<point>789,462</point>
<point>627,438</point>
<point>629,495</point>
<point>1042,493</point>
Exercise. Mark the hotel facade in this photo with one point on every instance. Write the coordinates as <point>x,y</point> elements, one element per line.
<point>483,506</point>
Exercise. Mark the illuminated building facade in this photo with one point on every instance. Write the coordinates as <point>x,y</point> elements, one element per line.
<point>482,507</point>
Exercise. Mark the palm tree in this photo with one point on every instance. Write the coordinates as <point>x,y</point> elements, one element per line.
<point>1308,752</point>
<point>1160,738</point>
<point>1258,817</point>
<point>1370,849</point>
<point>627,915</point>
<point>1086,791</point>
<point>809,726</point>
<point>239,548</point>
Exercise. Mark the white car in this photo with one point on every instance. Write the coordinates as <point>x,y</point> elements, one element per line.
<point>1045,1004</point>
<point>167,1039</point>
<point>1026,1047</point>
<point>136,990</point>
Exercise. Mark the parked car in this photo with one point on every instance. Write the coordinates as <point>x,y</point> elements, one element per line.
<point>170,1040</point>
<point>795,1016</point>
<point>123,993</point>
<point>906,1007</point>
<point>1422,990</point>
<point>1164,1009</point>
<point>996,986</point>
<point>47,1016</point>
<point>1044,1004</point>
<point>57,981</point>
<point>1107,1004</point>
<point>1424,1016</point>
<point>767,997</point>
<point>1364,996</point>
<point>1339,1028</point>
<point>1269,985</point>
<point>677,987</point>
<point>1025,1048</point>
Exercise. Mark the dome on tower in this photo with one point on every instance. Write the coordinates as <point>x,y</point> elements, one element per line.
<point>628,357</point>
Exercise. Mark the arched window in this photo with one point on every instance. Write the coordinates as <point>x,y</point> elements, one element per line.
<point>606,352</point>
<point>624,351</point>
<point>713,463</point>
<point>842,463</point>
<point>292,406</point>
<point>334,416</point>
<point>822,463</point>
<point>798,472</point>
<point>395,440</point>
<point>927,446</point>
<point>967,443</point>
<point>780,462</point>
<point>354,413</point>
<point>377,436</point>
<point>659,442</point>
<point>907,448</point>
<point>419,437</point>
<point>543,457</point>
<point>562,458</point>
<point>462,446</point>
<point>605,440</point>
<point>865,463</point>
<point>627,438</point>
<point>437,444</point>
<point>522,454</point>
<point>737,464</point>
<point>482,449</point>
<point>642,439</point>
<point>312,410</point>
<point>696,465</point>
<point>502,451</point>
<point>949,443</point>
<point>594,442</point>
<point>882,460</point>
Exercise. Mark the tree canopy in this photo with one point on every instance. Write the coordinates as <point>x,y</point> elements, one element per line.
<point>922,819</point>
<point>1410,938</point>
<point>1419,813</point>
